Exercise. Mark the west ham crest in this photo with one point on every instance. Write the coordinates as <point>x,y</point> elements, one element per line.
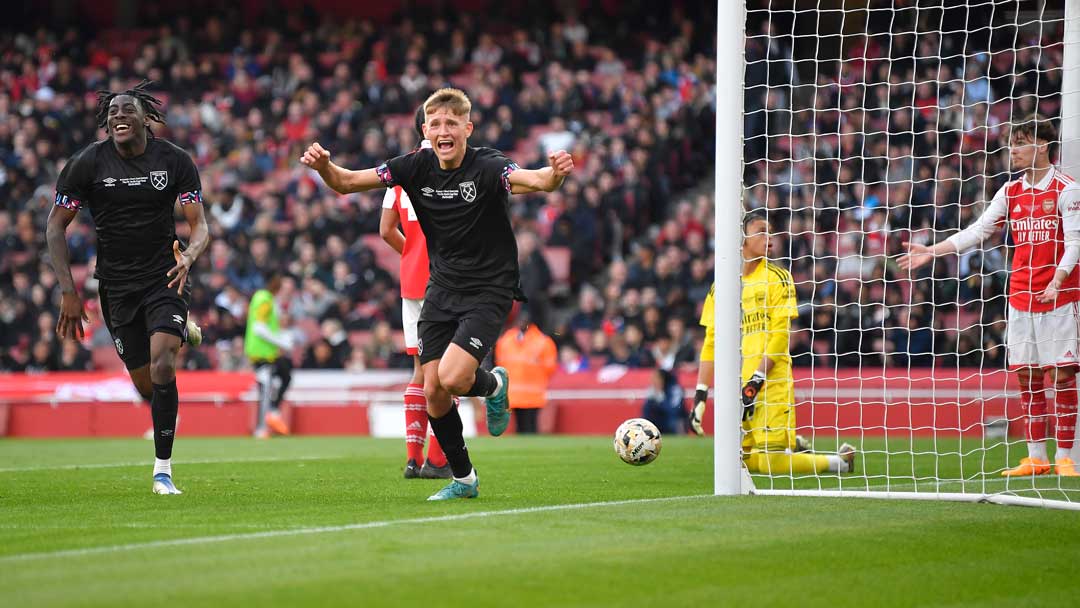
<point>159,179</point>
<point>468,191</point>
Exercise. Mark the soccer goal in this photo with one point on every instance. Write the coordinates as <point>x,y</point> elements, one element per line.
<point>862,127</point>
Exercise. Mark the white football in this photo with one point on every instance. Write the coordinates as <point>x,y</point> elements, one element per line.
<point>637,441</point>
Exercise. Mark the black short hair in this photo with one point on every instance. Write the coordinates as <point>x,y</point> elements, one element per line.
<point>754,215</point>
<point>150,104</point>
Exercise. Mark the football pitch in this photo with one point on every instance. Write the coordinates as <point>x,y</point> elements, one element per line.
<point>559,522</point>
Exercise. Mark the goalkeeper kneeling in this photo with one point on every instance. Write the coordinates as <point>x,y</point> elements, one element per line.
<point>769,444</point>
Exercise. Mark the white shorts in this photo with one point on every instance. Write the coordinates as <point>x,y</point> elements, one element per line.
<point>410,317</point>
<point>1042,339</point>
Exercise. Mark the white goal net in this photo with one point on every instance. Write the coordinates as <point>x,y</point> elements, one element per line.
<point>868,125</point>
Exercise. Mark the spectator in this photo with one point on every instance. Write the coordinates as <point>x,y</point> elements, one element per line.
<point>530,358</point>
<point>664,406</point>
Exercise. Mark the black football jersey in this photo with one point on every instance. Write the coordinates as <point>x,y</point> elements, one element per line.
<point>465,215</point>
<point>131,201</point>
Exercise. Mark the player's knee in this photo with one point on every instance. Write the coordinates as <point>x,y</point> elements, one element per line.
<point>163,368</point>
<point>434,392</point>
<point>456,382</point>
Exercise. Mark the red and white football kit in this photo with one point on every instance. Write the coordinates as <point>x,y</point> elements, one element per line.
<point>414,264</point>
<point>1043,220</point>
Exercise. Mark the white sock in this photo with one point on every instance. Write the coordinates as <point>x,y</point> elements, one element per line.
<point>1063,453</point>
<point>1037,450</point>
<point>163,466</point>
<point>498,384</point>
<point>837,464</point>
<point>469,479</point>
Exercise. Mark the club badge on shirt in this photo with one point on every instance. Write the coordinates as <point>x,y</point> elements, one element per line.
<point>159,179</point>
<point>468,191</point>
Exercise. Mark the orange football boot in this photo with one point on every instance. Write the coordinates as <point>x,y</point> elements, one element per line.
<point>1028,467</point>
<point>277,423</point>
<point>1066,467</point>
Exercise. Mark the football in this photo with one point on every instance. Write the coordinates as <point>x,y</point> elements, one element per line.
<point>637,441</point>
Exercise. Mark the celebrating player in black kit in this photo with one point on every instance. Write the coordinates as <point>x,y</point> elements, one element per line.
<point>130,183</point>
<point>461,197</point>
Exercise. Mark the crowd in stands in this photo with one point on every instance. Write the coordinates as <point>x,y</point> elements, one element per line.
<point>899,139</point>
<point>615,264</point>
<point>903,139</point>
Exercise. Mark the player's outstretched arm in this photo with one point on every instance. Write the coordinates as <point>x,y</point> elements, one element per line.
<point>200,238</point>
<point>340,180</point>
<point>547,179</point>
<point>69,321</point>
<point>978,231</point>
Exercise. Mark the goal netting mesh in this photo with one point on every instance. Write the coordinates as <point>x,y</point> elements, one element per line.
<point>872,124</point>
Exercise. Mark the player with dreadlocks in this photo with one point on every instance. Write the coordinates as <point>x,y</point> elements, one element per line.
<point>130,183</point>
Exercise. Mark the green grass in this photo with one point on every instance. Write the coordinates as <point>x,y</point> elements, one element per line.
<point>695,551</point>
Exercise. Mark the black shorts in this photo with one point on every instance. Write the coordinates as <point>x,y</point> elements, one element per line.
<point>473,321</point>
<point>134,312</point>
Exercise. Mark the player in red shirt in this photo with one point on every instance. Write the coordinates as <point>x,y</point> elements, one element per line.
<point>397,210</point>
<point>1042,212</point>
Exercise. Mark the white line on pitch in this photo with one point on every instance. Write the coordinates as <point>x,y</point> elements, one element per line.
<point>117,465</point>
<point>205,540</point>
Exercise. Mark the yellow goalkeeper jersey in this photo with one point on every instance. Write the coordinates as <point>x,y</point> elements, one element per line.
<point>768,305</point>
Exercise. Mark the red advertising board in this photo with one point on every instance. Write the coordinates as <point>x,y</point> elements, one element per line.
<point>592,402</point>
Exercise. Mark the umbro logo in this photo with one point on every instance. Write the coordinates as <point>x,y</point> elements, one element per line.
<point>178,319</point>
<point>427,191</point>
<point>119,346</point>
<point>109,182</point>
<point>475,343</point>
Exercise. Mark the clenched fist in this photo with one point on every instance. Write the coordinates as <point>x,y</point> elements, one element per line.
<point>561,162</point>
<point>316,157</point>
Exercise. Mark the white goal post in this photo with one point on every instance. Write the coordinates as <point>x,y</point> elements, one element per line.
<point>857,126</point>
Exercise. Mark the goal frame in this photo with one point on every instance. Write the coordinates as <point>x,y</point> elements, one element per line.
<point>729,476</point>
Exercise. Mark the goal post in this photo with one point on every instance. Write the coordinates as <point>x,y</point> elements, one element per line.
<point>728,191</point>
<point>859,127</point>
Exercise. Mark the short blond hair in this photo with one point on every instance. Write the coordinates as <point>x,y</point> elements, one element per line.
<point>452,99</point>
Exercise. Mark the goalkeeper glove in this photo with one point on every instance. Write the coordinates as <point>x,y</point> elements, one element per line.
<point>701,395</point>
<point>749,394</point>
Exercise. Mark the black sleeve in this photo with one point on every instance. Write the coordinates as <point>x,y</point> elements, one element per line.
<point>496,168</point>
<point>398,171</point>
<point>188,184</point>
<point>75,181</point>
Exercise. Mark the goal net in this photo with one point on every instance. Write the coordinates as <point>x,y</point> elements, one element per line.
<point>868,125</point>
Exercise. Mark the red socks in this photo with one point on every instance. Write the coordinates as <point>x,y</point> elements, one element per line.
<point>1065,408</point>
<point>416,428</point>
<point>416,422</point>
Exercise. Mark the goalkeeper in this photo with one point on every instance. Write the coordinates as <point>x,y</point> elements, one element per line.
<point>768,394</point>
